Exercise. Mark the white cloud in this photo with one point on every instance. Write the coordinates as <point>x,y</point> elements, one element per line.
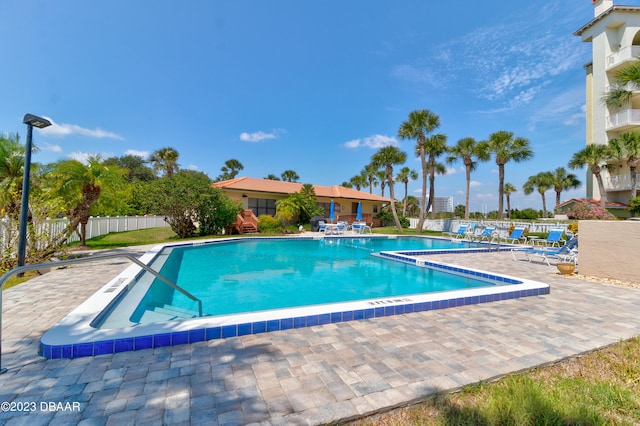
<point>70,129</point>
<point>192,167</point>
<point>451,171</point>
<point>373,142</point>
<point>474,184</point>
<point>50,147</point>
<point>260,135</point>
<point>81,156</point>
<point>141,154</point>
<point>415,74</point>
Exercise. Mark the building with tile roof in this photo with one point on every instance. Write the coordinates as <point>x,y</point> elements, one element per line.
<point>260,196</point>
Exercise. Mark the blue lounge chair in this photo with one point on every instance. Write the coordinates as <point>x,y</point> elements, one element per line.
<point>460,233</point>
<point>486,234</point>
<point>517,235</point>
<point>566,253</point>
<point>554,238</point>
<point>360,227</point>
<point>322,226</point>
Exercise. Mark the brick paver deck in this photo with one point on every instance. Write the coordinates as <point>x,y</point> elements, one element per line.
<point>302,376</point>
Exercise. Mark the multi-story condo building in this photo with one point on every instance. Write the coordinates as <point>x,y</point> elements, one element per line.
<point>614,34</point>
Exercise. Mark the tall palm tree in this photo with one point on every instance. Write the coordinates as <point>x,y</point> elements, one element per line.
<point>11,171</point>
<point>387,157</point>
<point>625,82</point>
<point>165,160</point>
<point>381,176</point>
<point>289,176</point>
<point>626,148</point>
<point>230,169</point>
<point>505,147</point>
<point>418,126</point>
<point>434,146</point>
<point>403,176</point>
<point>271,176</point>
<point>541,182</point>
<point>563,181</point>
<point>371,171</point>
<point>508,190</point>
<point>358,181</point>
<point>593,156</point>
<point>467,150</point>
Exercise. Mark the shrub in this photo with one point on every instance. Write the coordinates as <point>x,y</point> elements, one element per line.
<point>267,223</point>
<point>404,222</point>
<point>634,206</point>
<point>588,212</point>
<point>573,227</point>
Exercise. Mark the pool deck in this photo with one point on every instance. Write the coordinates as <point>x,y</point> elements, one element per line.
<point>330,373</point>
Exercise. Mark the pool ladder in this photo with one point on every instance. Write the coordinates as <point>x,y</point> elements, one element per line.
<point>27,268</point>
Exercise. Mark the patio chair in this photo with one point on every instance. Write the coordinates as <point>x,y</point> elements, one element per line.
<point>460,233</point>
<point>567,253</point>
<point>486,234</point>
<point>322,226</point>
<point>517,235</point>
<point>554,238</point>
<point>360,227</point>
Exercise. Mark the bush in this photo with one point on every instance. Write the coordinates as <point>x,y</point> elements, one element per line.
<point>267,223</point>
<point>634,206</point>
<point>404,222</point>
<point>588,212</point>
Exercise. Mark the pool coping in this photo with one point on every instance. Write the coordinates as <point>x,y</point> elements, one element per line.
<point>74,336</point>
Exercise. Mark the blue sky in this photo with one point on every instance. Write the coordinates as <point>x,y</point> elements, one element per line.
<point>316,87</point>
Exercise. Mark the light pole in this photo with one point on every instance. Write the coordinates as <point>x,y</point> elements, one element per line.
<point>31,121</point>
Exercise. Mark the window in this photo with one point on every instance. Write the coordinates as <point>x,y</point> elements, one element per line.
<point>262,206</point>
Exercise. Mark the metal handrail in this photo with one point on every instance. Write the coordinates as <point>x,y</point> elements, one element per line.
<point>35,267</point>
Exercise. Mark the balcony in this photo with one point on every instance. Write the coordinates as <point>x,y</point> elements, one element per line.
<point>620,182</point>
<point>624,120</point>
<point>622,56</point>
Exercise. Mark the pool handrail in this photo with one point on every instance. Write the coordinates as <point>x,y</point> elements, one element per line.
<point>35,267</point>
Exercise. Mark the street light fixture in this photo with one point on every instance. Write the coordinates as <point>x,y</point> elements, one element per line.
<point>31,121</point>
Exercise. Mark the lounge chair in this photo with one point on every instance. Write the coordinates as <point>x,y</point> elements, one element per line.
<point>517,235</point>
<point>486,234</point>
<point>460,233</point>
<point>322,226</point>
<point>360,227</point>
<point>567,253</point>
<point>554,238</point>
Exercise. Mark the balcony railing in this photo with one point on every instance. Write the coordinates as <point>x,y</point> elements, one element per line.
<point>621,182</point>
<point>623,119</point>
<point>623,55</point>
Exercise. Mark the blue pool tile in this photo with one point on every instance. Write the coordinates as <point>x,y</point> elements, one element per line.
<point>197,335</point>
<point>104,347</point>
<point>179,338</point>
<point>259,327</point>
<point>427,306</point>
<point>229,331</point>
<point>312,320</point>
<point>273,325</point>
<point>143,342</point>
<point>408,308</point>
<point>358,314</point>
<point>369,313</point>
<point>213,333</point>
<point>399,309</point>
<point>389,310</point>
<point>67,351</point>
<point>46,351</point>
<point>378,312</point>
<point>82,349</point>
<point>56,352</point>
<point>324,319</point>
<point>347,316</point>
<point>124,345</point>
<point>299,322</point>
<point>286,323</point>
<point>161,340</point>
<point>244,329</point>
<point>417,307</point>
<point>336,317</point>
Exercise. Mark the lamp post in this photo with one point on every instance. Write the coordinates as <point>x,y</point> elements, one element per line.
<point>31,121</point>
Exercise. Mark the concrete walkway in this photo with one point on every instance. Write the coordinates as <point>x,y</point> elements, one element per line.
<point>313,375</point>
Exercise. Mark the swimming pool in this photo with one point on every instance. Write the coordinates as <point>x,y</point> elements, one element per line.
<point>336,279</point>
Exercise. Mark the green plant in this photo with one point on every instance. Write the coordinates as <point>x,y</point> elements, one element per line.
<point>267,223</point>
<point>634,206</point>
<point>573,227</point>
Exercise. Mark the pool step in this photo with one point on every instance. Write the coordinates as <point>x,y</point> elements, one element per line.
<point>167,313</point>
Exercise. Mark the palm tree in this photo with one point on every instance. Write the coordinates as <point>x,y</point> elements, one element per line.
<point>541,182</point>
<point>370,171</point>
<point>508,190</point>
<point>387,157</point>
<point>358,181</point>
<point>413,206</point>
<point>271,176</point>
<point>230,169</point>
<point>289,176</point>
<point>593,156</point>
<point>626,148</point>
<point>563,181</point>
<point>505,148</point>
<point>435,146</point>
<point>165,160</point>
<point>467,150</point>
<point>403,176</point>
<point>11,171</point>
<point>381,176</point>
<point>79,186</point>
<point>625,79</point>
<point>418,126</point>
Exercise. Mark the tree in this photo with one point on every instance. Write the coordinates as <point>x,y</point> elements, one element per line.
<point>135,166</point>
<point>11,165</point>
<point>79,186</point>
<point>593,156</point>
<point>381,175</point>
<point>371,172</point>
<point>230,169</point>
<point>508,190</point>
<point>418,126</point>
<point>466,149</point>
<point>541,182</point>
<point>435,146</point>
<point>289,176</point>
<point>387,157</point>
<point>505,148</point>
<point>299,207</point>
<point>403,176</point>
<point>413,206</point>
<point>625,82</point>
<point>272,177</point>
<point>626,149</point>
<point>358,181</point>
<point>165,160</point>
<point>563,181</point>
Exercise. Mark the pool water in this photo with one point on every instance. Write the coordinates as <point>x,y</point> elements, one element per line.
<point>254,275</point>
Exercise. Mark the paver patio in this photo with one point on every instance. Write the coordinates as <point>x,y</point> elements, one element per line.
<point>312,375</point>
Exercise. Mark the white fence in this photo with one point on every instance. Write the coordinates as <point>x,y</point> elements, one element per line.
<point>95,227</point>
